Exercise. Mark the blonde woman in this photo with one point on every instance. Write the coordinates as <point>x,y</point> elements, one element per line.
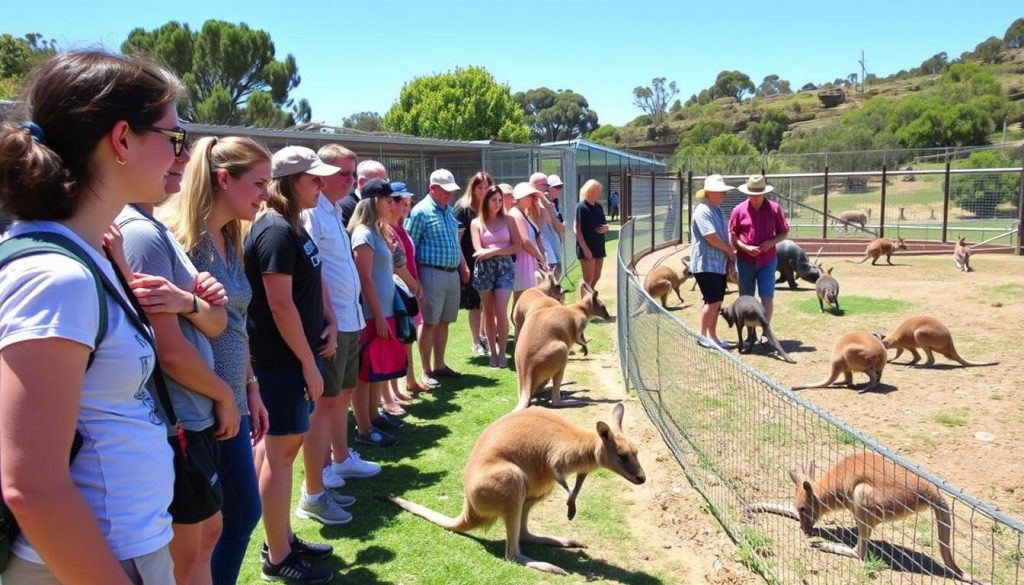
<point>465,210</point>
<point>590,228</point>
<point>224,187</point>
<point>525,214</point>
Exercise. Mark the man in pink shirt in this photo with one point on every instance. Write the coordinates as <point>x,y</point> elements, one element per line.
<point>755,227</point>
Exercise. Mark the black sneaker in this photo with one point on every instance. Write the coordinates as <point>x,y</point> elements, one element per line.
<point>305,548</point>
<point>297,570</point>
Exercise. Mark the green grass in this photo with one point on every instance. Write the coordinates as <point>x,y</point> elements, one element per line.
<point>856,305</point>
<point>1012,290</point>
<point>950,420</point>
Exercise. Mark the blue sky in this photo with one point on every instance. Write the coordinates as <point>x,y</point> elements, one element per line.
<point>355,56</point>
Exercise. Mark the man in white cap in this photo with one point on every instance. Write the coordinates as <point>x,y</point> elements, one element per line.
<point>435,234</point>
<point>712,257</point>
<point>756,226</point>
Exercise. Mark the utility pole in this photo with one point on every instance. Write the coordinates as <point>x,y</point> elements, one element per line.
<point>863,72</point>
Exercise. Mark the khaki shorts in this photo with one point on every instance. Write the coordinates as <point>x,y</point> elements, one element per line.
<point>441,292</point>
<point>340,372</point>
<point>156,568</point>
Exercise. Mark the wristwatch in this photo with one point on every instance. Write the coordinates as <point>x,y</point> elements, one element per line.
<point>195,305</point>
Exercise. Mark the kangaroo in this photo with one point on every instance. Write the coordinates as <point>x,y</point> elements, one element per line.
<point>746,311</point>
<point>827,289</point>
<point>857,351</point>
<point>516,463</point>
<point>879,247</point>
<point>661,281</point>
<point>874,490</point>
<point>547,294</point>
<point>860,217</point>
<point>927,334</point>
<point>962,255</point>
<point>542,350</point>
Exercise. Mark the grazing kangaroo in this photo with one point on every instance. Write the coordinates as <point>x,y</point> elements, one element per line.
<point>746,311</point>
<point>857,351</point>
<point>927,334</point>
<point>859,217</point>
<point>962,255</point>
<point>879,247</point>
<point>661,281</point>
<point>546,294</point>
<point>542,350</point>
<point>515,464</point>
<point>827,289</point>
<point>874,490</point>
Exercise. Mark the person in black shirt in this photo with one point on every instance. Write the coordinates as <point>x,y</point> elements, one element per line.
<point>366,170</point>
<point>590,229</point>
<point>465,213</point>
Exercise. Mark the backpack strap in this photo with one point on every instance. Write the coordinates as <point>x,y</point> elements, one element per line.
<point>32,243</point>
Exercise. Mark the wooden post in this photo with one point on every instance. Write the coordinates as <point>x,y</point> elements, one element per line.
<point>689,201</point>
<point>881,213</point>
<point>945,204</point>
<point>824,208</point>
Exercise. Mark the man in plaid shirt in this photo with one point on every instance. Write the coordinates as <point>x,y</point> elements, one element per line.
<point>435,234</point>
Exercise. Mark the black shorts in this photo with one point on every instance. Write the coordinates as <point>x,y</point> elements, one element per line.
<point>712,286</point>
<point>197,488</point>
<point>469,297</point>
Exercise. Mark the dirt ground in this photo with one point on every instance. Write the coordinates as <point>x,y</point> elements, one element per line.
<point>965,424</point>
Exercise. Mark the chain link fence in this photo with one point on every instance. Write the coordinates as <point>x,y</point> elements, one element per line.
<point>738,435</point>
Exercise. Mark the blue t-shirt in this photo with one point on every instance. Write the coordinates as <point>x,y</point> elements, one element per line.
<point>704,257</point>
<point>383,270</point>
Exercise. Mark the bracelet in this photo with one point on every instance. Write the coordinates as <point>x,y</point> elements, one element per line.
<point>195,306</point>
<point>252,380</point>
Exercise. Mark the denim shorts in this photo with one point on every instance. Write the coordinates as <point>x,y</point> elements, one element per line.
<point>763,276</point>
<point>284,394</point>
<point>498,273</point>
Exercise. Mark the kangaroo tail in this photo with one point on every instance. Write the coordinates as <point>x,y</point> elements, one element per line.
<point>770,508</point>
<point>944,522</point>
<point>955,356</point>
<point>823,384</point>
<point>775,343</point>
<point>462,523</point>
<point>861,261</point>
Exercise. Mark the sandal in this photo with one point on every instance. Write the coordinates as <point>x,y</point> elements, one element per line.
<point>394,408</point>
<point>376,438</point>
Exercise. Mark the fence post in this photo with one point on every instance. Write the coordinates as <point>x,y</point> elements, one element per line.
<point>881,213</point>
<point>653,230</point>
<point>626,197</point>
<point>679,206</point>
<point>824,207</point>
<point>945,204</point>
<point>1020,214</point>
<point>689,199</point>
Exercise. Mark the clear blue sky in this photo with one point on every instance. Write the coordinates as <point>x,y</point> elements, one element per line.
<point>355,56</point>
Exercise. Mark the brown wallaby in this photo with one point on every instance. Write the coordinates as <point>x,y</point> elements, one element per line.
<point>546,294</point>
<point>665,279</point>
<point>827,289</point>
<point>515,464</point>
<point>962,255</point>
<point>857,351</point>
<point>874,490</point>
<point>879,247</point>
<point>927,334</point>
<point>542,350</point>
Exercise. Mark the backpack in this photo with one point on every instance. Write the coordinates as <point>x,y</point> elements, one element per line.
<point>30,244</point>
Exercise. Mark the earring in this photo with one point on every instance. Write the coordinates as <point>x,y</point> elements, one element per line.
<point>121,160</point>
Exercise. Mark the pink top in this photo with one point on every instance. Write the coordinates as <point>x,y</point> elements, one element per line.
<point>495,240</point>
<point>410,250</point>
<point>755,227</point>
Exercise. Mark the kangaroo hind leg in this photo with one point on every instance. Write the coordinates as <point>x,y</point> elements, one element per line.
<point>525,536</point>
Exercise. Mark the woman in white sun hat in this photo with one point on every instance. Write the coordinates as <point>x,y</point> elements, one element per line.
<point>712,257</point>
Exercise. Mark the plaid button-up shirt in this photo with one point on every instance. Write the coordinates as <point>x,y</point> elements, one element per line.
<point>435,234</point>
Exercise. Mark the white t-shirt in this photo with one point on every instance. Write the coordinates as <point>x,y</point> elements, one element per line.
<point>124,470</point>
<point>338,269</point>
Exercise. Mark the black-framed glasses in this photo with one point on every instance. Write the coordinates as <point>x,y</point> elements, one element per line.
<point>178,135</point>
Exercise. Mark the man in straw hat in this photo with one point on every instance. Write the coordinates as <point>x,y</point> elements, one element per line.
<point>711,257</point>
<point>755,227</point>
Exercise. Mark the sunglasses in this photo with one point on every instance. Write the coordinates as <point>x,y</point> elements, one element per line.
<point>178,135</point>
<point>350,174</point>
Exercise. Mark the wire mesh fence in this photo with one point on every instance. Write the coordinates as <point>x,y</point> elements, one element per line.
<point>745,443</point>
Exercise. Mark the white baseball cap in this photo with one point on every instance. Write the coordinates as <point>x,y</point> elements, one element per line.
<point>554,181</point>
<point>292,160</point>
<point>445,179</point>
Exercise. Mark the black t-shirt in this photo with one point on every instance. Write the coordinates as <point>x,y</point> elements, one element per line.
<point>465,216</point>
<point>273,247</point>
<point>348,207</point>
<point>589,218</point>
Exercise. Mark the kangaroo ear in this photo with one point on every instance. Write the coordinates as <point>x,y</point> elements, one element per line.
<point>796,476</point>
<point>603,430</point>
<point>808,488</point>
<point>617,411</point>
<point>810,469</point>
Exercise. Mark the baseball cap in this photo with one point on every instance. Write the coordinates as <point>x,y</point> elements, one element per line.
<point>398,189</point>
<point>292,160</point>
<point>554,181</point>
<point>524,190</point>
<point>375,188</point>
<point>445,179</point>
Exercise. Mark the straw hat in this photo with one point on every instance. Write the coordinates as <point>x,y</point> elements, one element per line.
<point>755,185</point>
<point>714,184</point>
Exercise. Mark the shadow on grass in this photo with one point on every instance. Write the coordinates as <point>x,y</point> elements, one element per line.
<point>895,557</point>
<point>795,346</point>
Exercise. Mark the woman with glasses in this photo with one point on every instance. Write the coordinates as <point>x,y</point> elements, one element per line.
<point>102,132</point>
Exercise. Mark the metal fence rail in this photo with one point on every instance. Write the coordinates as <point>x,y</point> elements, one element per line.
<point>737,434</point>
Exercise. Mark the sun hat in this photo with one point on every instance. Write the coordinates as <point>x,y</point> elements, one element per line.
<point>398,189</point>
<point>755,185</point>
<point>523,190</point>
<point>375,188</point>
<point>554,181</point>
<point>506,189</point>
<point>444,179</point>
<point>292,160</point>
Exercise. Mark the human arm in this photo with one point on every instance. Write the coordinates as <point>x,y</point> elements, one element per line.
<point>260,419</point>
<point>289,325</point>
<point>363,255</point>
<point>578,230</point>
<point>548,208</point>
<point>528,246</point>
<point>38,412</point>
<point>781,227</point>
<point>156,295</point>
<point>330,330</point>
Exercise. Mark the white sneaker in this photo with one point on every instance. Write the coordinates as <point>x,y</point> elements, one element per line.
<point>332,480</point>
<point>325,509</point>
<point>354,466</point>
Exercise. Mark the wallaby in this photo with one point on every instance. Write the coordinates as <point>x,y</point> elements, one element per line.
<point>542,350</point>
<point>927,334</point>
<point>546,294</point>
<point>515,464</point>
<point>962,255</point>
<point>860,217</point>
<point>874,490</point>
<point>827,289</point>
<point>879,247</point>
<point>661,281</point>
<point>746,311</point>
<point>857,351</point>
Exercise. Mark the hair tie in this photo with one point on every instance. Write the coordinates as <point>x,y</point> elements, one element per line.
<point>36,131</point>
<point>214,140</point>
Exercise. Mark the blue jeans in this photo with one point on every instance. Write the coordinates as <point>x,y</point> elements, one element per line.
<point>763,276</point>
<point>241,509</point>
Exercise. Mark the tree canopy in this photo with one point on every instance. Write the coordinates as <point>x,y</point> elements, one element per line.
<point>772,85</point>
<point>365,121</point>
<point>556,115</point>
<point>1014,37</point>
<point>766,133</point>
<point>464,104</point>
<point>654,99</point>
<point>230,71</point>
<point>18,56</point>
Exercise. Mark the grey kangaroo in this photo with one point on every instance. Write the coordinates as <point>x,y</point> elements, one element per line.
<point>746,311</point>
